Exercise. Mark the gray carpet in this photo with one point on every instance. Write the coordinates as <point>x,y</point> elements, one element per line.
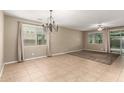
<point>106,58</point>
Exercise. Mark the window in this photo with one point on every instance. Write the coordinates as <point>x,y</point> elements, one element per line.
<point>33,35</point>
<point>98,38</point>
<point>90,38</point>
<point>95,38</point>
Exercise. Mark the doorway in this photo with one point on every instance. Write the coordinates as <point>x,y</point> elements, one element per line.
<point>117,42</point>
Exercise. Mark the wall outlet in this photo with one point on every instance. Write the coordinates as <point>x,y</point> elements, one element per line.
<point>32,54</point>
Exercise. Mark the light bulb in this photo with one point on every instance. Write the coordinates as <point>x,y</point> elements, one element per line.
<point>100,28</point>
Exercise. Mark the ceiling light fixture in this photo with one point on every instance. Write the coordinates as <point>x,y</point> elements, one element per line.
<point>100,27</point>
<point>51,25</point>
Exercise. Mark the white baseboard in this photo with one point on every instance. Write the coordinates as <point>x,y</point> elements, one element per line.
<point>11,62</point>
<point>94,50</point>
<point>2,69</point>
<point>65,52</point>
<point>35,58</point>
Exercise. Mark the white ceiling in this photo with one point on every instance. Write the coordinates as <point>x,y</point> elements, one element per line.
<point>75,19</point>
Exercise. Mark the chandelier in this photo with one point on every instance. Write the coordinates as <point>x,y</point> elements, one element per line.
<point>100,27</point>
<point>51,25</point>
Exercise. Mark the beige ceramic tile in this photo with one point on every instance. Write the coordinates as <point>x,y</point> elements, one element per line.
<point>63,68</point>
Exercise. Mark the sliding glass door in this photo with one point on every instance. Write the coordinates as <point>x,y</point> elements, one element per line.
<point>122,42</point>
<point>117,42</point>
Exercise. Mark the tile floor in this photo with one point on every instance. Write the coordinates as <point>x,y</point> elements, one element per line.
<point>64,68</point>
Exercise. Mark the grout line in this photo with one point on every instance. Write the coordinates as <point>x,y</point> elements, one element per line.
<point>11,62</point>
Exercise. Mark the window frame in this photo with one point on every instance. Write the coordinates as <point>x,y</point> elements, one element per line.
<point>101,38</point>
<point>36,41</point>
<point>94,37</point>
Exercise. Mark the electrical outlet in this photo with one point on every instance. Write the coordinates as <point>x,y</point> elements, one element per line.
<point>33,54</point>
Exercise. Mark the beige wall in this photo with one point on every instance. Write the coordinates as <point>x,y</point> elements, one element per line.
<point>37,51</point>
<point>66,40</point>
<point>96,47</point>
<point>63,41</point>
<point>10,41</point>
<point>1,38</point>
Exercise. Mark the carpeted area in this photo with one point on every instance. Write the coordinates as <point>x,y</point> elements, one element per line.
<point>106,58</point>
